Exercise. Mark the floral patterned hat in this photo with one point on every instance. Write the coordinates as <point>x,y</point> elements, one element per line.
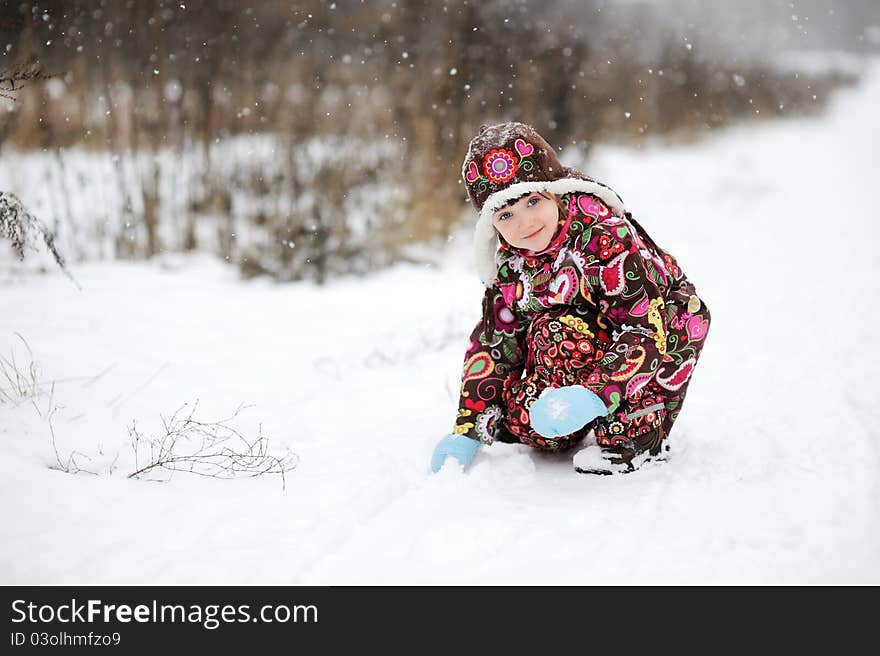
<point>506,161</point>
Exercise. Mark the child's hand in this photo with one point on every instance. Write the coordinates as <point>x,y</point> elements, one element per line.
<point>563,410</point>
<point>461,448</point>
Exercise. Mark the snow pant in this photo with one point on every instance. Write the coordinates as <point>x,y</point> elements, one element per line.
<point>564,351</point>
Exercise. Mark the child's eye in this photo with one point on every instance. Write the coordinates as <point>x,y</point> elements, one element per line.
<point>533,198</point>
<point>503,216</point>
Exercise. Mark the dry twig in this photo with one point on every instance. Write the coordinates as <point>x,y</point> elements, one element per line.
<point>212,449</point>
<point>70,466</point>
<point>19,384</point>
<point>23,229</point>
<point>13,79</point>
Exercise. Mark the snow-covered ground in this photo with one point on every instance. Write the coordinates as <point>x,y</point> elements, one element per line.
<point>776,456</point>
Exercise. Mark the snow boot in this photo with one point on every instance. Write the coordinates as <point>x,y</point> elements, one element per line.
<point>621,458</point>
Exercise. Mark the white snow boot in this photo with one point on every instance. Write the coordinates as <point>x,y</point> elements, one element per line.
<point>620,458</point>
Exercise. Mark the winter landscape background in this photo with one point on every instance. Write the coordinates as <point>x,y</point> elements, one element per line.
<point>351,379</point>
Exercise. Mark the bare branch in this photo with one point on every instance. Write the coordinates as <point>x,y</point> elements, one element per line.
<point>13,79</point>
<point>20,384</point>
<point>70,466</point>
<point>21,228</point>
<point>213,449</point>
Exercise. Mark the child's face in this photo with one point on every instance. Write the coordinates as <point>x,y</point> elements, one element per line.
<point>529,223</point>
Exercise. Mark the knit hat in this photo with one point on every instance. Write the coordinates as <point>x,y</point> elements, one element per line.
<point>506,161</point>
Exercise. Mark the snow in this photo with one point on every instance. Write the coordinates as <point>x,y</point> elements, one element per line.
<point>99,202</point>
<point>775,462</point>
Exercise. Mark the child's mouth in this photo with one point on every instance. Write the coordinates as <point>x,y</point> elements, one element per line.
<point>533,234</point>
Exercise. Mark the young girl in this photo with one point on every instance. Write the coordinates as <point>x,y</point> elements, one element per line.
<point>587,323</point>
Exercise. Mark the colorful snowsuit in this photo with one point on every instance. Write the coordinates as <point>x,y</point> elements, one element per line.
<point>603,306</point>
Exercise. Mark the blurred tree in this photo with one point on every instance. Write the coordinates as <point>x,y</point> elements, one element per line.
<point>403,84</point>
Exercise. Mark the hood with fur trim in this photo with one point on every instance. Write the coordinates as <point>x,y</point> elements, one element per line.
<point>486,241</point>
<point>505,161</point>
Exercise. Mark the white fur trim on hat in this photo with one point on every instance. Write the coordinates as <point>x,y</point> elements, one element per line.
<point>486,237</point>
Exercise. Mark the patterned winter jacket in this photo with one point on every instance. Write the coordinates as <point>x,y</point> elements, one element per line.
<point>597,260</point>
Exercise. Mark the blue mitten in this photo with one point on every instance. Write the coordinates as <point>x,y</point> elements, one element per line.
<point>460,447</point>
<point>563,410</point>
